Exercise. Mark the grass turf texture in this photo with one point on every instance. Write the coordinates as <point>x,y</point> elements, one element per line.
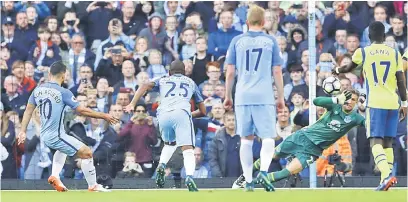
<point>319,195</point>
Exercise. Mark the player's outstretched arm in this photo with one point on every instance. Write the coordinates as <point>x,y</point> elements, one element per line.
<point>327,102</point>
<point>24,123</point>
<point>139,93</point>
<point>277,75</point>
<point>344,69</point>
<point>84,111</point>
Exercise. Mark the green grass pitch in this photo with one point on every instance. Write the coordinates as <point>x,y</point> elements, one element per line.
<point>287,195</point>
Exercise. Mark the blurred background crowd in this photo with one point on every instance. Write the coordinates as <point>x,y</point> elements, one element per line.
<point>111,48</point>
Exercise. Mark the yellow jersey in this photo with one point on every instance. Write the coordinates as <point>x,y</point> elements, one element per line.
<point>405,56</point>
<point>380,64</point>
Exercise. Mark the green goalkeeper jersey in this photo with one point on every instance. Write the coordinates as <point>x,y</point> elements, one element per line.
<point>333,124</point>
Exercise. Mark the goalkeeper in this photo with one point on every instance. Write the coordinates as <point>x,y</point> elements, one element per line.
<point>307,144</point>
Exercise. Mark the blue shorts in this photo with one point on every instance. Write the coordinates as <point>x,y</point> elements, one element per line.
<point>177,126</point>
<point>66,144</point>
<point>381,122</point>
<point>256,119</point>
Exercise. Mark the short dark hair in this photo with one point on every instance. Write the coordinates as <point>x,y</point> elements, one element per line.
<point>398,16</point>
<point>376,31</point>
<point>58,68</point>
<point>177,67</point>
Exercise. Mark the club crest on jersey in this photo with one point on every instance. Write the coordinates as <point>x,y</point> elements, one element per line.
<point>347,119</point>
<point>335,125</point>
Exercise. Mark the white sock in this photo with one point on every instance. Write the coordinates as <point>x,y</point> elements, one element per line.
<point>247,158</point>
<point>167,153</point>
<point>189,161</point>
<point>267,151</point>
<point>58,162</point>
<point>88,168</point>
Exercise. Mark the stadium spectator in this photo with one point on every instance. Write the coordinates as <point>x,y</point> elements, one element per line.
<point>79,55</point>
<point>213,73</point>
<point>44,52</point>
<point>155,33</point>
<point>29,70</point>
<point>140,54</point>
<point>8,134</point>
<point>398,31</point>
<point>116,37</point>
<point>296,76</point>
<point>380,15</point>
<point>104,95</point>
<point>201,171</point>
<point>16,101</point>
<point>200,61</point>
<point>85,80</point>
<point>129,77</point>
<point>26,85</point>
<point>156,69</point>
<point>284,124</point>
<point>117,112</point>
<point>131,26</point>
<point>224,150</point>
<point>142,136</point>
<point>345,84</point>
<point>340,44</point>
<point>172,36</point>
<point>8,10</point>
<point>131,169</point>
<point>40,7</point>
<point>103,151</point>
<point>189,48</point>
<point>352,43</point>
<point>24,36</point>
<point>219,40</point>
<point>51,22</point>
<point>99,16</point>
<point>110,66</point>
<point>32,17</point>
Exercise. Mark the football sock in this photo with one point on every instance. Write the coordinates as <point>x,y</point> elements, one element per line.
<point>267,151</point>
<point>257,165</point>
<point>189,161</point>
<point>58,162</point>
<point>380,160</point>
<point>389,152</point>
<point>279,175</point>
<point>88,168</point>
<point>246,157</point>
<point>167,153</point>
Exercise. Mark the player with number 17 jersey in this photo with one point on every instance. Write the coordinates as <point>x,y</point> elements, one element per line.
<point>254,54</point>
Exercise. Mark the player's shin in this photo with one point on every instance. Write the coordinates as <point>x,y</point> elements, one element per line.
<point>380,160</point>
<point>189,161</point>
<point>167,153</point>
<point>246,157</point>
<point>294,167</point>
<point>389,152</point>
<point>267,152</point>
<point>88,168</point>
<point>58,162</point>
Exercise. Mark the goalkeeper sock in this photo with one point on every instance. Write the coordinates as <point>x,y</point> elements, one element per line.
<point>88,168</point>
<point>389,152</point>
<point>276,176</point>
<point>58,162</point>
<point>257,165</point>
<point>267,151</point>
<point>380,160</point>
<point>167,153</point>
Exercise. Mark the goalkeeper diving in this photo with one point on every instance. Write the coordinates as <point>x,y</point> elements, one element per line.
<point>307,144</point>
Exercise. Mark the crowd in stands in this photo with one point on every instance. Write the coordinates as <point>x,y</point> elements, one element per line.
<point>111,48</point>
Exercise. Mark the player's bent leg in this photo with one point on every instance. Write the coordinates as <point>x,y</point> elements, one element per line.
<point>380,158</point>
<point>294,167</point>
<point>88,168</point>
<point>166,154</point>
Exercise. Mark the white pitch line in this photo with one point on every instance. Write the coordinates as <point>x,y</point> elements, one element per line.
<point>220,189</point>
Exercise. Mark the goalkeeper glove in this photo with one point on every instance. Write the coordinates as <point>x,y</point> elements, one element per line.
<point>342,98</point>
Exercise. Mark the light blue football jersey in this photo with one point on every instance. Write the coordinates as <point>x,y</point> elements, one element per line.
<point>52,100</point>
<point>254,54</point>
<point>176,92</point>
